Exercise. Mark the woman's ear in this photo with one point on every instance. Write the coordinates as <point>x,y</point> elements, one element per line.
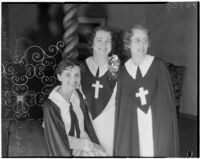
<point>58,76</point>
<point>149,44</point>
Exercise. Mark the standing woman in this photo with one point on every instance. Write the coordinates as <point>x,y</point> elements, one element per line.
<point>146,122</point>
<point>99,88</point>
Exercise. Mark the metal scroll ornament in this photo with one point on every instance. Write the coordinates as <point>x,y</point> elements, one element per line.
<point>26,82</point>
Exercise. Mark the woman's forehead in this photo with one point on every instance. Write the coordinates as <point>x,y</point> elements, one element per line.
<point>139,32</point>
<point>102,33</point>
<point>72,69</point>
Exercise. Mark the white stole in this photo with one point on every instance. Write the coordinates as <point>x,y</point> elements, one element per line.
<point>144,119</point>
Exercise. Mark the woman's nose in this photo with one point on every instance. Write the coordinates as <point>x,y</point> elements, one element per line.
<point>73,78</point>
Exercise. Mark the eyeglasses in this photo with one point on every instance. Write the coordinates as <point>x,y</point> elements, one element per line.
<point>138,41</point>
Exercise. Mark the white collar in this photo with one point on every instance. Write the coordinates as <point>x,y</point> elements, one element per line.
<point>59,100</point>
<point>93,67</point>
<point>144,66</point>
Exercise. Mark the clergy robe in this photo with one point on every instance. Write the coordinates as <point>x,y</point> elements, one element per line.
<point>101,104</point>
<point>145,121</point>
<point>55,128</point>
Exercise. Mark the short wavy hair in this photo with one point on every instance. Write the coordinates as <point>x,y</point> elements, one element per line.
<point>93,34</point>
<point>66,62</point>
<point>130,33</point>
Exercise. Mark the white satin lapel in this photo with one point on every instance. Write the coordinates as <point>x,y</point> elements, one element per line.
<point>144,66</point>
<point>93,67</point>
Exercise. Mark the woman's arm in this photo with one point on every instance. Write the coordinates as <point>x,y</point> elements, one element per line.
<point>80,143</point>
<point>84,147</point>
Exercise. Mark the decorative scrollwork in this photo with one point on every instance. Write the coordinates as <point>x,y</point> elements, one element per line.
<point>27,81</point>
<point>34,55</point>
<point>60,45</point>
<point>20,89</point>
<point>9,69</point>
<point>40,98</point>
<point>47,89</point>
<point>30,98</point>
<point>49,80</point>
<point>55,49</point>
<point>39,71</point>
<point>49,62</point>
<point>20,79</point>
<point>8,98</point>
<point>29,70</point>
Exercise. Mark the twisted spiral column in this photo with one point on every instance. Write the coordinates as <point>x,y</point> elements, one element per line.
<point>70,37</point>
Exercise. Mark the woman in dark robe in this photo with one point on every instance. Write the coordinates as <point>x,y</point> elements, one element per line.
<point>98,85</point>
<point>67,126</point>
<point>145,122</point>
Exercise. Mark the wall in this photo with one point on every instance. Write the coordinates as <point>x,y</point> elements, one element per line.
<point>22,18</point>
<point>173,33</point>
<point>175,40</point>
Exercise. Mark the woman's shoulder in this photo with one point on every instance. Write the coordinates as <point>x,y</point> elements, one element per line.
<point>160,66</point>
<point>83,66</point>
<point>160,62</point>
<point>49,105</point>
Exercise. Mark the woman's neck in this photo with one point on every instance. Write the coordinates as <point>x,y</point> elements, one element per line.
<point>137,60</point>
<point>65,93</point>
<point>100,60</point>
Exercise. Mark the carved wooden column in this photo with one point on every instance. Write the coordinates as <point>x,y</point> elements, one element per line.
<point>70,37</point>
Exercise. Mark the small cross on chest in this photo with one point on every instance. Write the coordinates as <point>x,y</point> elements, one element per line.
<point>97,85</point>
<point>142,94</point>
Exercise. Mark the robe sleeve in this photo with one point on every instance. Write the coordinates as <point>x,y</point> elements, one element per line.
<point>87,122</point>
<point>117,110</point>
<point>166,115</point>
<point>54,130</point>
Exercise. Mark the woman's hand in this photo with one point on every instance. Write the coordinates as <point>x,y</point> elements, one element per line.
<point>88,145</point>
<point>88,148</point>
<point>99,150</point>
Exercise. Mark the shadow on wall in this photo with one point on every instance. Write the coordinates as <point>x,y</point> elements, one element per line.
<point>50,21</point>
<point>93,10</point>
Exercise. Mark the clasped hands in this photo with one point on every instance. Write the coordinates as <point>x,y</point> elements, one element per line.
<point>89,149</point>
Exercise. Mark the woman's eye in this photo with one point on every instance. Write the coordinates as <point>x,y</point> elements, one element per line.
<point>145,41</point>
<point>77,76</point>
<point>137,41</point>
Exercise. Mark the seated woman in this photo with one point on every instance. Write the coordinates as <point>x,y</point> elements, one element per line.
<point>67,126</point>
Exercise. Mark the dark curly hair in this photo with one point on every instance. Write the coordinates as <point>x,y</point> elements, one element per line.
<point>93,34</point>
<point>66,62</point>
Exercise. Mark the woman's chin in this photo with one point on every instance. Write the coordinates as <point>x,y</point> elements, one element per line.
<point>71,88</point>
<point>102,54</point>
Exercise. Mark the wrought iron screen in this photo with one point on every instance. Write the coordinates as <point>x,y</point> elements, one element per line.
<point>26,82</point>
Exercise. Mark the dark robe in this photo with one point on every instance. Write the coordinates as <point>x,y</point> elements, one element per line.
<point>162,102</point>
<point>101,109</point>
<point>54,128</point>
<point>96,106</point>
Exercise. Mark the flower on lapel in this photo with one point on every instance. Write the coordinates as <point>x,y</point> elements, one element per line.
<point>113,66</point>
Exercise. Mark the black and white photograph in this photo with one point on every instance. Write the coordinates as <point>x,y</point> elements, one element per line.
<point>100,79</point>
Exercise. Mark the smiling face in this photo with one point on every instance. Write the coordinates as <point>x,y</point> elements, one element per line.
<point>102,43</point>
<point>139,43</point>
<point>70,77</point>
